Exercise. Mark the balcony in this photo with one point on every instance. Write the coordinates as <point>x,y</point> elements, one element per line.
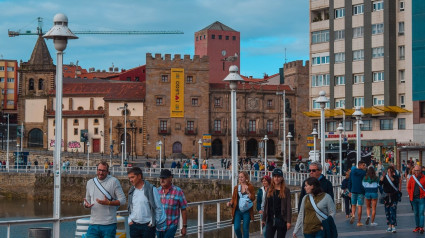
<point>164,131</point>
<point>191,131</point>
<point>220,132</point>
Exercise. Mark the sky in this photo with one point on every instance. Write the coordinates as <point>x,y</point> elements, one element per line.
<point>267,28</point>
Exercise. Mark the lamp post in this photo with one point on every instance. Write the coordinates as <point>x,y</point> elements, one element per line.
<point>160,155</point>
<point>314,133</point>
<point>233,78</point>
<point>125,129</point>
<point>322,100</point>
<point>358,114</point>
<point>122,154</point>
<point>88,156</point>
<point>60,33</point>
<point>265,154</point>
<point>284,129</point>
<point>7,145</point>
<point>340,129</point>
<point>200,148</point>
<point>289,136</point>
<point>17,157</point>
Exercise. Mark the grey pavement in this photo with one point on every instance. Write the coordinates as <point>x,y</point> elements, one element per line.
<point>405,223</point>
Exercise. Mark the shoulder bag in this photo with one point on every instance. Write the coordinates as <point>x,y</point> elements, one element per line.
<point>399,194</point>
<point>102,189</point>
<point>328,223</point>
<point>244,202</point>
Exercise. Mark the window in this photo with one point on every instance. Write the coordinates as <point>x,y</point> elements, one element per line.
<point>340,80</point>
<point>190,126</point>
<point>358,9</point>
<point>269,103</point>
<point>164,78</point>
<point>322,58</point>
<point>358,32</point>
<point>128,78</point>
<point>320,80</point>
<point>10,80</point>
<point>401,75</point>
<point>1,68</point>
<point>378,6</point>
<point>339,57</point>
<point>40,84</point>
<point>377,28</point>
<point>30,84</point>
<point>163,126</point>
<point>195,102</point>
<point>402,123</point>
<point>75,131</point>
<point>227,37</point>
<point>402,101</point>
<point>10,102</point>
<point>348,125</point>
<point>204,37</point>
<point>251,126</point>
<point>220,37</point>
<point>359,101</point>
<point>80,108</point>
<point>378,76</point>
<point>233,37</point>
<point>378,52</point>
<point>358,55</point>
<point>401,28</point>
<point>212,36</point>
<point>137,79</point>
<point>386,124</point>
<point>96,131</point>
<point>100,108</point>
<point>159,101</point>
<point>339,103</point>
<point>358,78</point>
<point>269,126</point>
<point>2,80</point>
<point>217,102</point>
<point>339,13</point>
<point>10,69</point>
<point>320,36</point>
<point>96,122</point>
<point>401,5</point>
<point>316,105</point>
<point>339,35</point>
<point>401,52</point>
<point>217,126</point>
<point>76,122</point>
<point>196,38</point>
<point>330,126</point>
<point>378,101</point>
<point>189,79</point>
<point>367,125</point>
<point>422,109</point>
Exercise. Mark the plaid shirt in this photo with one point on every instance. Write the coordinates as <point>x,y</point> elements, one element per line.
<point>173,201</point>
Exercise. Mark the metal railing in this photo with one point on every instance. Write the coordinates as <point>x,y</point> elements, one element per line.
<point>199,229</point>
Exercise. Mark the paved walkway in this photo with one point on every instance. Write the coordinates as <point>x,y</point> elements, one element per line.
<point>405,221</point>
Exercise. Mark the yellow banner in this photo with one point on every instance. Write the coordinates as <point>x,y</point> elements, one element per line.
<point>207,140</point>
<point>177,92</point>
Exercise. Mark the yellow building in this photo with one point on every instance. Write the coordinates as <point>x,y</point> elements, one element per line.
<point>9,85</point>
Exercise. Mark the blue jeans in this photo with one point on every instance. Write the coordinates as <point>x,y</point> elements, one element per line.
<point>102,231</point>
<point>418,209</point>
<point>237,223</point>
<point>169,233</point>
<point>318,234</point>
<point>142,231</point>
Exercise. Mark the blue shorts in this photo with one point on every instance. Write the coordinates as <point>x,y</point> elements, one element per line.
<point>357,199</point>
<point>371,195</point>
<point>102,231</point>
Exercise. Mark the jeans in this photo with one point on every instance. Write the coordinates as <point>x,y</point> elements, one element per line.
<point>418,209</point>
<point>169,233</point>
<point>102,231</point>
<point>237,223</point>
<point>142,231</point>
<point>347,203</point>
<point>318,234</point>
<point>280,229</point>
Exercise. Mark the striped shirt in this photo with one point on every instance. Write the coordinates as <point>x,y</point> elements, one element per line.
<point>172,201</point>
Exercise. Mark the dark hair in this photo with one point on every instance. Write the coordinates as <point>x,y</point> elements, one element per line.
<point>316,185</point>
<point>371,174</point>
<point>135,170</point>
<point>104,163</point>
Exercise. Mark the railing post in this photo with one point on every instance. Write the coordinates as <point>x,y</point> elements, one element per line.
<point>218,215</point>
<point>200,220</point>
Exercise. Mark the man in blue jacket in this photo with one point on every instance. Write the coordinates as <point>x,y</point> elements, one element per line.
<point>357,191</point>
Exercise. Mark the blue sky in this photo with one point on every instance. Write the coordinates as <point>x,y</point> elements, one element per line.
<point>267,27</point>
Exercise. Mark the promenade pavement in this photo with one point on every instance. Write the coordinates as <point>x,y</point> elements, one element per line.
<point>405,223</point>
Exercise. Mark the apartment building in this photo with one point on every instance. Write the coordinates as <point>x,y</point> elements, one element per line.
<point>9,85</point>
<point>361,55</point>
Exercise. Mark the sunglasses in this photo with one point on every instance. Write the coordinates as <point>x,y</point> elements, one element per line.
<point>312,170</point>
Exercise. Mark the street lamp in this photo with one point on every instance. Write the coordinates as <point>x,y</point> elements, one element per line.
<point>122,154</point>
<point>233,78</point>
<point>340,129</point>
<point>125,128</point>
<point>60,33</point>
<point>88,156</point>
<point>17,157</point>
<point>7,145</point>
<point>358,114</point>
<point>284,129</point>
<point>160,155</point>
<point>314,133</point>
<point>200,148</point>
<point>322,100</point>
<point>265,154</point>
<point>289,136</point>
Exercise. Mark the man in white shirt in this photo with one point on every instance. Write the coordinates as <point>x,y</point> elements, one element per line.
<point>144,206</point>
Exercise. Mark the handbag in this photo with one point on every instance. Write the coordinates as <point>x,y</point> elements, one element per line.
<point>382,198</point>
<point>244,202</point>
<point>399,194</point>
<point>328,223</point>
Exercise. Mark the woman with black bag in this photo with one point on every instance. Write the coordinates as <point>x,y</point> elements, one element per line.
<point>390,183</point>
<point>277,209</point>
<point>345,194</point>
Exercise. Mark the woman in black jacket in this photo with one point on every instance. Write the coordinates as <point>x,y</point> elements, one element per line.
<point>390,183</point>
<point>345,193</point>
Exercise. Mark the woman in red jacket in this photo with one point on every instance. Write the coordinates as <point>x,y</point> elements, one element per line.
<point>415,188</point>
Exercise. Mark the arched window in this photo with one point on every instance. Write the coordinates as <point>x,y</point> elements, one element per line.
<point>80,108</point>
<point>40,84</point>
<point>75,122</point>
<point>96,121</point>
<point>100,108</point>
<point>31,84</point>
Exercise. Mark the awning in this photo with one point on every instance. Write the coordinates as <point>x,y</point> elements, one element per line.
<point>348,112</point>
